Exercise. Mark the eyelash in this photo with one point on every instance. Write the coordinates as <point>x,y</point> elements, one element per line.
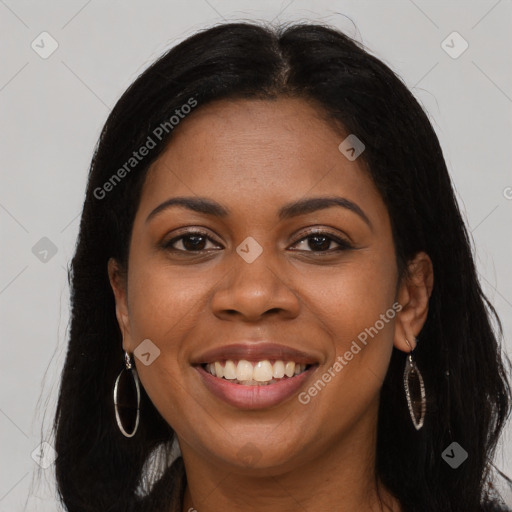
<point>343,244</point>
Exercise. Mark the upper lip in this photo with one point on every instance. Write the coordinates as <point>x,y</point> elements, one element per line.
<point>254,352</point>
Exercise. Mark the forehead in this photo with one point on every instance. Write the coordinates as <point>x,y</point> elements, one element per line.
<point>258,152</point>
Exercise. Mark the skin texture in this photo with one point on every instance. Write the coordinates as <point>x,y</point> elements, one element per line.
<point>253,156</point>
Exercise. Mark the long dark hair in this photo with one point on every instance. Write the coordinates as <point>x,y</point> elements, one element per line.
<point>458,352</point>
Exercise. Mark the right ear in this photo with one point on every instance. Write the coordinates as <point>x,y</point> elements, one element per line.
<point>118,283</point>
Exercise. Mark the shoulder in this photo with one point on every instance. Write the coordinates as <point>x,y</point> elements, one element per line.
<point>499,493</point>
<point>494,506</point>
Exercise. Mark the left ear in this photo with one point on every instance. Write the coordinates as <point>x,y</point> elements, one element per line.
<point>413,295</point>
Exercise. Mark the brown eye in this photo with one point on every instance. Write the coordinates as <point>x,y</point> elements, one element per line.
<point>192,241</point>
<point>320,241</point>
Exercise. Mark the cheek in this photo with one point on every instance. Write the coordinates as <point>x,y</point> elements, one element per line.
<point>355,307</point>
<point>352,297</point>
<point>162,309</point>
<point>163,301</point>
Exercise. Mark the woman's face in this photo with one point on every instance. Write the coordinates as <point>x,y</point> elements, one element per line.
<point>258,277</point>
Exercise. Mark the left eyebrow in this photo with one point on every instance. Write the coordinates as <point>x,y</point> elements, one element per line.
<point>313,204</point>
<point>294,209</point>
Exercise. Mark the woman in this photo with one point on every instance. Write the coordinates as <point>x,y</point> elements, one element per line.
<point>272,272</point>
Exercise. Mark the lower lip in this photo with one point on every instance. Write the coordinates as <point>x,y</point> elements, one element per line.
<point>254,397</point>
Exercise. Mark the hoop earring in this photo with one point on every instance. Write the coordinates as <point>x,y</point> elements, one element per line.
<point>413,382</point>
<point>124,407</point>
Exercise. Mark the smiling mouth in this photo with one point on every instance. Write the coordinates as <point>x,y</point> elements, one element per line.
<point>255,373</point>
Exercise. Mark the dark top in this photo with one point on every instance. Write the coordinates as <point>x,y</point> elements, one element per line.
<point>170,491</point>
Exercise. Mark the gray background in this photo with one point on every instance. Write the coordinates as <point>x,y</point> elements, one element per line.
<point>53,109</point>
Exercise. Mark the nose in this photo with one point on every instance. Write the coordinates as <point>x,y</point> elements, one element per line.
<point>255,290</point>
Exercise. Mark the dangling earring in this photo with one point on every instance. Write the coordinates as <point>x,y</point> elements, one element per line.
<point>123,405</point>
<point>413,381</point>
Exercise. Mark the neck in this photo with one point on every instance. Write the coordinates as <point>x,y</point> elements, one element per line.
<point>340,477</point>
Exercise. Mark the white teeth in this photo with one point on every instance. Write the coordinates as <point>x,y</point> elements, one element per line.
<point>244,370</point>
<point>289,369</point>
<point>278,370</point>
<point>229,370</point>
<point>248,373</point>
<point>262,371</point>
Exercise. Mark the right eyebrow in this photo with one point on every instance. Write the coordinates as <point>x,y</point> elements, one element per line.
<point>196,204</point>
